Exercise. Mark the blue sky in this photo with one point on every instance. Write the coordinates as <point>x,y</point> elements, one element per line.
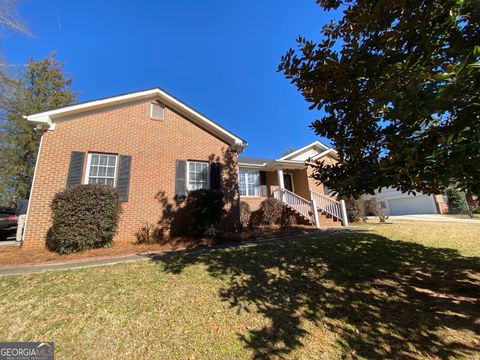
<point>218,56</point>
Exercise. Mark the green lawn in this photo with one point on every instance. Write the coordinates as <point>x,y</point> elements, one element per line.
<point>406,290</point>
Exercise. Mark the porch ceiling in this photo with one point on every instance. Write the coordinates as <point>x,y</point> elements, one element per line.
<point>268,164</point>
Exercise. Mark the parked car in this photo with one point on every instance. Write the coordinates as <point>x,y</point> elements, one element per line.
<point>8,222</point>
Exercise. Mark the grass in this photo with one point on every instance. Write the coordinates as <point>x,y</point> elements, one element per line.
<point>407,290</point>
<point>463,216</point>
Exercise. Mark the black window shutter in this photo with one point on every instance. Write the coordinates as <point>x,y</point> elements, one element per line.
<point>180,180</point>
<point>123,181</point>
<point>263,183</point>
<point>263,178</point>
<point>75,170</point>
<point>216,176</point>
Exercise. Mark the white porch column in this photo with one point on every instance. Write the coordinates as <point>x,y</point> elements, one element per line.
<point>344,213</point>
<point>316,220</point>
<point>281,184</point>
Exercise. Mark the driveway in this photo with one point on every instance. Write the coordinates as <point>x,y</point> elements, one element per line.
<point>434,217</point>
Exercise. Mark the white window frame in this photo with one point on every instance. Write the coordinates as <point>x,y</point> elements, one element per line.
<point>151,111</point>
<point>87,171</point>
<point>246,171</point>
<point>188,173</point>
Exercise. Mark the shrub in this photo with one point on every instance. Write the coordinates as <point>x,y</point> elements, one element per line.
<point>149,234</point>
<point>272,210</point>
<point>355,209</point>
<point>205,210</point>
<point>456,202</point>
<point>84,217</point>
<point>380,210</point>
<point>245,213</point>
<point>288,219</point>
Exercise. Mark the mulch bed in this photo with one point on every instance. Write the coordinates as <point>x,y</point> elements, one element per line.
<point>13,256</point>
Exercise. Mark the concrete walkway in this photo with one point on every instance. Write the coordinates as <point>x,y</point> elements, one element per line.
<point>158,255</point>
<point>434,217</point>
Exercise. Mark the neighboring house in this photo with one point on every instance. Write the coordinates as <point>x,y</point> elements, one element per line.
<point>149,145</point>
<point>289,180</point>
<point>399,203</point>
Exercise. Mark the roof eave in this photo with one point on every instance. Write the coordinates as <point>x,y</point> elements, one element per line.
<point>49,117</point>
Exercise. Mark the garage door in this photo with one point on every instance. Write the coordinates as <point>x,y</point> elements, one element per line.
<point>411,205</point>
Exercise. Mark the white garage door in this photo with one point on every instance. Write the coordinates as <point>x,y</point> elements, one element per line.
<point>411,205</point>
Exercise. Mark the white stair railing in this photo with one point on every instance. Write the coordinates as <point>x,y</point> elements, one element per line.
<point>330,206</point>
<point>297,203</point>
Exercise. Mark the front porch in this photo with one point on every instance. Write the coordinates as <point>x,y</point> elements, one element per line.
<point>289,180</point>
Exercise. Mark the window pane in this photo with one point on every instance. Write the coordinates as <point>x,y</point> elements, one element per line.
<point>197,175</point>
<point>111,160</point>
<point>249,183</point>
<point>102,169</point>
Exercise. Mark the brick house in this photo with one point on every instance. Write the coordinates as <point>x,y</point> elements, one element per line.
<point>153,149</point>
<point>289,180</point>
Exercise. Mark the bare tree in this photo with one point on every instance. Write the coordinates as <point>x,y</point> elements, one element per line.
<point>10,19</point>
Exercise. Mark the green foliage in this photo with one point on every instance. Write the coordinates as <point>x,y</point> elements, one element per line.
<point>271,210</point>
<point>288,151</point>
<point>456,202</point>
<point>245,213</point>
<point>399,86</point>
<point>83,217</point>
<point>42,86</point>
<point>205,209</point>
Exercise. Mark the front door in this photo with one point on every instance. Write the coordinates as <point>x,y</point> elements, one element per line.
<point>288,181</point>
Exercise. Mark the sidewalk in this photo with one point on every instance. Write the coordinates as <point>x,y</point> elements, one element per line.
<point>434,217</point>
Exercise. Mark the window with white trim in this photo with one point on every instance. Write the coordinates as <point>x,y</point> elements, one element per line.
<point>101,169</point>
<point>249,182</point>
<point>198,175</point>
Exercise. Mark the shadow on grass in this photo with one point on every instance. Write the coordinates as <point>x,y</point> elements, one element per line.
<point>383,298</point>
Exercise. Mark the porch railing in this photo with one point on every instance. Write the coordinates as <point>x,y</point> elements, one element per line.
<point>298,203</point>
<point>331,206</point>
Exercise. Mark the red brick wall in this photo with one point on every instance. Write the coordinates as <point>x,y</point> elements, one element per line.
<point>154,145</point>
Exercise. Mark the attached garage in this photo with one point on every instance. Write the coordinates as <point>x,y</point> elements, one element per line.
<point>420,204</point>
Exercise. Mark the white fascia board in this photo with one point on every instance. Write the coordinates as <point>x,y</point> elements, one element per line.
<point>48,117</point>
<point>326,152</point>
<point>299,151</point>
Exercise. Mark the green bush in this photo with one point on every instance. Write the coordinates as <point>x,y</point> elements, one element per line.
<point>205,209</point>
<point>456,202</point>
<point>272,210</point>
<point>84,217</point>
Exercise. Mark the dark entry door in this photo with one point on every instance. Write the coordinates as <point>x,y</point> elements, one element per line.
<point>288,181</point>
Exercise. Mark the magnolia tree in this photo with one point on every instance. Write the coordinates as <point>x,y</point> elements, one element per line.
<point>398,86</point>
